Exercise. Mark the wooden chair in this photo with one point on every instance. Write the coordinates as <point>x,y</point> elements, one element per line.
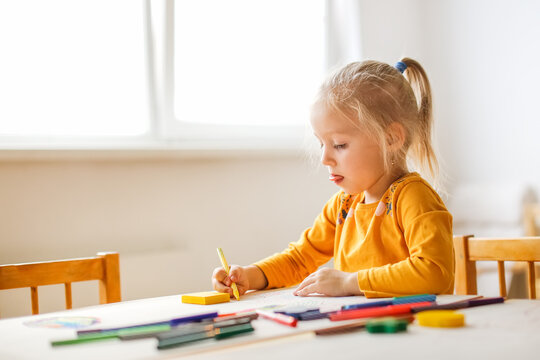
<point>103,267</point>
<point>469,249</point>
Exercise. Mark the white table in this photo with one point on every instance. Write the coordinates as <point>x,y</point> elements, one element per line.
<point>502,331</point>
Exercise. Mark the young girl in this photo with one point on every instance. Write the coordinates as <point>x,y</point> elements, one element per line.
<point>387,229</point>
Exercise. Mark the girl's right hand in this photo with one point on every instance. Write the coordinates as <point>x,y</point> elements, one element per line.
<point>222,282</point>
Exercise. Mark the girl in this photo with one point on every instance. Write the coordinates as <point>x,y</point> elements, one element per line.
<point>387,229</point>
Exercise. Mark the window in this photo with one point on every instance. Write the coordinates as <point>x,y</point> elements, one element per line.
<point>159,70</point>
<point>73,69</point>
<point>252,64</point>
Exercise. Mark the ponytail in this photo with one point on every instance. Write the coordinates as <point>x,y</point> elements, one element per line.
<point>421,148</point>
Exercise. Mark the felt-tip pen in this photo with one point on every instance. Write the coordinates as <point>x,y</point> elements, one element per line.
<point>277,317</point>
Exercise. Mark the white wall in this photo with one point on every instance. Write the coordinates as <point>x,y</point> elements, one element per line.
<point>165,216</point>
<point>483,56</point>
<point>484,59</point>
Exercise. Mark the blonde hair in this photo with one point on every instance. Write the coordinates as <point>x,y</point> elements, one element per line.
<point>374,95</point>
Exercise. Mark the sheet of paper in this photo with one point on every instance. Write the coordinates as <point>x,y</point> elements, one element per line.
<point>285,297</point>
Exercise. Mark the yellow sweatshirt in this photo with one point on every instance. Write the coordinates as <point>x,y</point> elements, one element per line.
<point>401,245</point>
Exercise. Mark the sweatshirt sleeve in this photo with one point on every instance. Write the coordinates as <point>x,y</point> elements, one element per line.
<point>427,229</point>
<point>301,258</point>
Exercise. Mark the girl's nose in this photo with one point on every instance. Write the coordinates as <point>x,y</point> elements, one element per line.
<point>326,158</point>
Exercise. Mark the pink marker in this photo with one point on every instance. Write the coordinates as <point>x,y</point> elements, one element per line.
<point>277,317</point>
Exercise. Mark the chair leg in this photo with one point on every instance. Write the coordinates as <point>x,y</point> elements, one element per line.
<point>68,295</point>
<point>35,301</point>
<point>531,277</point>
<point>502,278</point>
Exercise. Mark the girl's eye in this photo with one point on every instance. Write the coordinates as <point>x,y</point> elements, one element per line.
<point>340,146</point>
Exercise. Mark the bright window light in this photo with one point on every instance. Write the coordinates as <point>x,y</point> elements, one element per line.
<point>245,62</point>
<point>73,68</point>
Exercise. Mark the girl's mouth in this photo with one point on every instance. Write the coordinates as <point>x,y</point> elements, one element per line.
<point>336,179</point>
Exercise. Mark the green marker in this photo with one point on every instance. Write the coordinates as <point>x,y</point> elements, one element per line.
<point>143,330</point>
<point>139,331</point>
<point>229,331</point>
<point>85,339</point>
<point>169,342</point>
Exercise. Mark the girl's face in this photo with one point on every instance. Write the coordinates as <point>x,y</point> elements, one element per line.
<point>353,158</point>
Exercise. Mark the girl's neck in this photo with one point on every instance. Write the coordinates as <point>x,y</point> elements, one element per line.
<point>377,191</point>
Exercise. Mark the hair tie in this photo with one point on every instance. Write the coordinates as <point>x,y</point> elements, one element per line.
<point>401,66</point>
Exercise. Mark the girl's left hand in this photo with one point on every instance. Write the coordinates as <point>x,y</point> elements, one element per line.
<point>330,282</point>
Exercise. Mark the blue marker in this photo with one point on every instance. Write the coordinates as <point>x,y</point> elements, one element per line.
<point>413,299</point>
<point>366,305</point>
<point>395,301</point>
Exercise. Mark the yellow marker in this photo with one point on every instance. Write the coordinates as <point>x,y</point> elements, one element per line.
<point>226,267</point>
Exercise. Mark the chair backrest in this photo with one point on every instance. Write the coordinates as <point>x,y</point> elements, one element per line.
<point>469,249</point>
<point>103,267</point>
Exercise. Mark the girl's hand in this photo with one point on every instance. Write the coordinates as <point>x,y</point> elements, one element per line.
<point>222,282</point>
<point>330,282</point>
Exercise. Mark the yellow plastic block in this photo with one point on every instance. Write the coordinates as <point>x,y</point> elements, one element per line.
<point>206,298</point>
<point>441,318</point>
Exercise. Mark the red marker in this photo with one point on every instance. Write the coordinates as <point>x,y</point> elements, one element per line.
<point>277,317</point>
<point>241,315</point>
<point>389,310</point>
<point>241,312</point>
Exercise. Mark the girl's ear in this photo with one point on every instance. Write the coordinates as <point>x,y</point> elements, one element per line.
<point>395,136</point>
